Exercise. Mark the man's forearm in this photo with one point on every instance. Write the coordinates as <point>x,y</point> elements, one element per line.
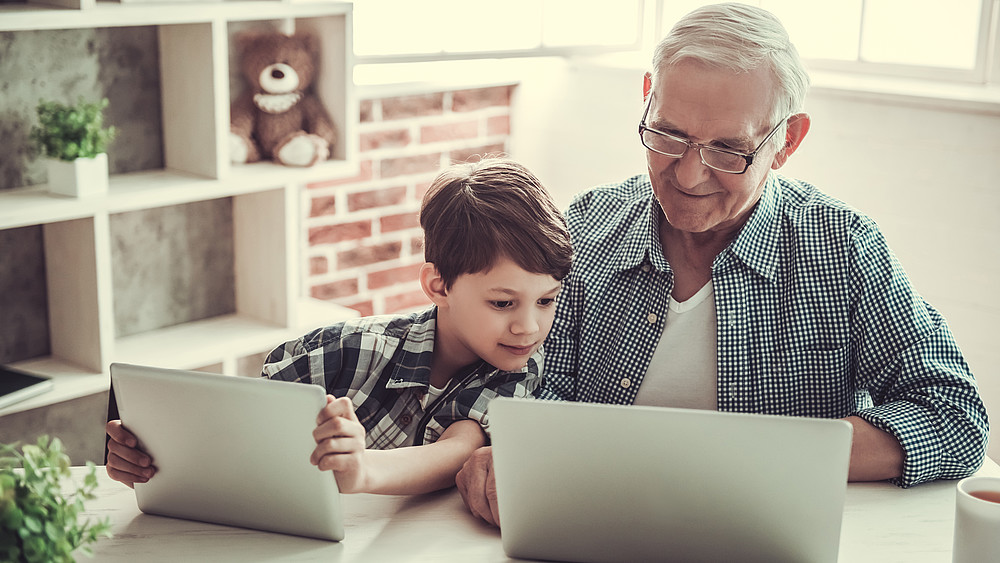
<point>876,455</point>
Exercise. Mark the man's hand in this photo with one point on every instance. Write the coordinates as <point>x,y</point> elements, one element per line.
<point>340,445</point>
<point>478,485</point>
<point>126,462</point>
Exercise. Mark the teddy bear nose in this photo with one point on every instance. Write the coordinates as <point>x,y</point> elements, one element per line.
<point>277,74</point>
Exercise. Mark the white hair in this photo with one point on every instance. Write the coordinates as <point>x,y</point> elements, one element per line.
<point>740,38</point>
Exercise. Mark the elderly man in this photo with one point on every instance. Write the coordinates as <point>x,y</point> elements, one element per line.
<point>713,283</point>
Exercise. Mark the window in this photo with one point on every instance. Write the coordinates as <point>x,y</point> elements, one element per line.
<point>408,30</point>
<point>929,39</point>
<point>924,39</point>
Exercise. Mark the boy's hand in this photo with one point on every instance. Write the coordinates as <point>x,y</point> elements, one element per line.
<point>126,462</point>
<point>340,445</point>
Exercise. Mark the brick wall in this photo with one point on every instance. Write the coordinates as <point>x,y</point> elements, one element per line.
<point>363,240</point>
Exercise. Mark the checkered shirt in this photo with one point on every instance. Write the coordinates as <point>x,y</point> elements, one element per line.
<point>383,364</point>
<point>816,318</point>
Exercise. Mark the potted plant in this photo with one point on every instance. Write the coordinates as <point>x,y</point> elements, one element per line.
<point>39,515</point>
<point>75,140</point>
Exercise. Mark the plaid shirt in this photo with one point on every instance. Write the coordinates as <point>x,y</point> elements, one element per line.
<point>815,318</point>
<point>383,364</point>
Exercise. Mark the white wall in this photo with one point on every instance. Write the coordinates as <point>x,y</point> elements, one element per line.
<point>929,175</point>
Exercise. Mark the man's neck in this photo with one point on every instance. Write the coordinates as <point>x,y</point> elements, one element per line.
<point>691,255</point>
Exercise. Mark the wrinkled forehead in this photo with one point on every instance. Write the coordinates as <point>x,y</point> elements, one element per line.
<point>693,95</point>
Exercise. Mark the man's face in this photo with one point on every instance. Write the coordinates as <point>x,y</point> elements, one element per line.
<point>717,108</point>
<point>502,315</point>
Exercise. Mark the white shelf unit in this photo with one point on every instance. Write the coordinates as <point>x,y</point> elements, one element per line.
<point>195,42</point>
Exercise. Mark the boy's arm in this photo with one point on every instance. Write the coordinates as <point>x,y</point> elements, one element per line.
<point>340,447</point>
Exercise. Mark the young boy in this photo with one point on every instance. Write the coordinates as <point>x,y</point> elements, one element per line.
<point>408,393</point>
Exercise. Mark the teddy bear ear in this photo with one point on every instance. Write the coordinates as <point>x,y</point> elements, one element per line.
<point>246,39</point>
<point>308,41</point>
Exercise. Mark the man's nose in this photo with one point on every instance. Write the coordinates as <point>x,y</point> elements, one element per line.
<point>689,169</point>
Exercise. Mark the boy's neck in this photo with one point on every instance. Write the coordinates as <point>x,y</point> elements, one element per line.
<point>449,354</point>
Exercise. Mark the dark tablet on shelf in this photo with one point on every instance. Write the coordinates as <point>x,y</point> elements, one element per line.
<point>17,385</point>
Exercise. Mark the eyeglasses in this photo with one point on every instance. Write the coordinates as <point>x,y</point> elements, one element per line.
<point>730,162</point>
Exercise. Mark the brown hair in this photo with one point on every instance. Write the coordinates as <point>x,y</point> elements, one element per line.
<point>475,213</point>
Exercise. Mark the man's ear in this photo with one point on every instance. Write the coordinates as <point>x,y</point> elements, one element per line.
<point>798,126</point>
<point>433,284</point>
<point>647,85</point>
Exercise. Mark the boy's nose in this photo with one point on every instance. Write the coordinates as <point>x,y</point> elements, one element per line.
<point>525,324</point>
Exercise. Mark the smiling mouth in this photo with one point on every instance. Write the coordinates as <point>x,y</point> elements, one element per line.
<point>518,350</point>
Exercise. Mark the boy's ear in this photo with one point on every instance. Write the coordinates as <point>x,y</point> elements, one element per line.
<point>433,284</point>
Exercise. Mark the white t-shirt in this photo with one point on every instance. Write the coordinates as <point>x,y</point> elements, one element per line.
<point>684,369</point>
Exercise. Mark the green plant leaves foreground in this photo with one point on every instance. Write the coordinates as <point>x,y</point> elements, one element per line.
<point>68,132</point>
<point>38,521</point>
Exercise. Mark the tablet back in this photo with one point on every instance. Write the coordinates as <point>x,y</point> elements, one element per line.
<point>229,450</point>
<point>587,482</point>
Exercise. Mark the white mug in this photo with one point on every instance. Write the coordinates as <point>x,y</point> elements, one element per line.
<point>977,520</point>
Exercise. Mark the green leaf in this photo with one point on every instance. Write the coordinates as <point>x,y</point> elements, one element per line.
<point>39,521</point>
<point>71,131</point>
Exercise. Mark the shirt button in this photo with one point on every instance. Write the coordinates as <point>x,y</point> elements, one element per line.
<point>651,318</point>
<point>405,420</point>
<point>626,383</point>
<point>645,267</point>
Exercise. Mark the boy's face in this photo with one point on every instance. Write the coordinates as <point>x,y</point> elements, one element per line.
<point>502,316</point>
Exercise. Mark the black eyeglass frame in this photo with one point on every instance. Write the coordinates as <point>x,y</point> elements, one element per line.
<point>747,157</point>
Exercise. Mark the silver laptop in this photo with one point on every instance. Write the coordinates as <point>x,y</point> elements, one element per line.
<point>229,450</point>
<point>588,482</point>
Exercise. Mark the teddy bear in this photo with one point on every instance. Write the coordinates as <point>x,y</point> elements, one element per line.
<point>277,117</point>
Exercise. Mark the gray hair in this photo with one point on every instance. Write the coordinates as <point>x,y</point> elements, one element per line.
<point>740,38</point>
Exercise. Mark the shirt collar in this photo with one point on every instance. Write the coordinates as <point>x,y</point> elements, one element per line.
<point>755,245</point>
<point>641,240</point>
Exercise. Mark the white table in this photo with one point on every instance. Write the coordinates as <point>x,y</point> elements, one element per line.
<point>882,523</point>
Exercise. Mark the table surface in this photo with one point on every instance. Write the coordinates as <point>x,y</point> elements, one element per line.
<point>881,523</point>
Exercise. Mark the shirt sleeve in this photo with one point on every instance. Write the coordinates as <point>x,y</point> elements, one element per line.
<point>562,346</point>
<point>471,399</point>
<point>921,386</point>
<point>315,358</point>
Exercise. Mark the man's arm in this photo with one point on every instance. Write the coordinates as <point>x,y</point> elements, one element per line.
<point>923,393</point>
<point>876,455</point>
<point>340,447</point>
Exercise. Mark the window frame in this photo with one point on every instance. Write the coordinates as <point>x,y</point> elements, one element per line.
<point>540,51</point>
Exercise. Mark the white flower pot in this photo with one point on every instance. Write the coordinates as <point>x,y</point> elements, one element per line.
<point>83,177</point>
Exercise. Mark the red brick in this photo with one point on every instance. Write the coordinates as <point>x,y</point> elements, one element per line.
<point>318,265</point>
<point>326,205</point>
<point>405,301</point>
<point>366,111</point>
<point>376,198</point>
<point>364,174</point>
<point>364,308</point>
<point>472,154</point>
<point>364,255</point>
<point>417,245</point>
<point>410,165</point>
<point>412,106</point>
<point>421,190</point>
<point>399,222</point>
<point>498,125</point>
<point>392,276</point>
<point>343,231</point>
<point>334,290</point>
<point>392,138</point>
<point>449,131</point>
<point>479,98</point>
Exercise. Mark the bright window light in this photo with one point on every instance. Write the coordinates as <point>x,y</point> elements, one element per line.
<point>942,34</point>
